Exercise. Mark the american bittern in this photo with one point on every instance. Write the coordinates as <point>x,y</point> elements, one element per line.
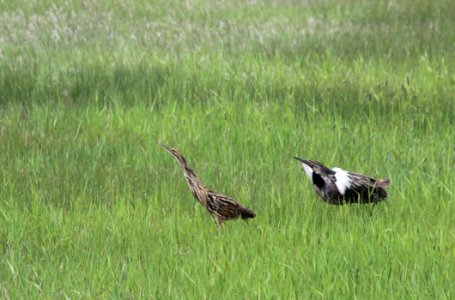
<point>221,207</point>
<point>337,186</point>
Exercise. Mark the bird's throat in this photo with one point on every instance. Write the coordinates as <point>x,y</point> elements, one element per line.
<point>318,180</point>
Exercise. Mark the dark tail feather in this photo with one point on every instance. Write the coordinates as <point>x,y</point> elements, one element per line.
<point>383,182</point>
<point>246,213</point>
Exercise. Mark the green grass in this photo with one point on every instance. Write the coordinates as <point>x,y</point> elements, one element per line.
<point>91,207</point>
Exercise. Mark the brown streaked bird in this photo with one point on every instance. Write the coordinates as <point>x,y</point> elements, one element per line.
<point>221,207</point>
<point>337,186</point>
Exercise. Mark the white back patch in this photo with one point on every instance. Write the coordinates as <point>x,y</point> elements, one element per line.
<point>341,180</point>
<point>308,170</point>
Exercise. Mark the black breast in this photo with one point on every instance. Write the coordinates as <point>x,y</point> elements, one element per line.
<point>318,181</point>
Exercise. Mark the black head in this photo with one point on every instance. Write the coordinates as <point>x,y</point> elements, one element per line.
<point>312,166</point>
<point>316,171</point>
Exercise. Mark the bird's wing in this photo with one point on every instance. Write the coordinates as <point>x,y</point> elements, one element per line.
<point>222,204</point>
<point>362,186</point>
<point>368,181</point>
<point>361,180</point>
<point>223,199</point>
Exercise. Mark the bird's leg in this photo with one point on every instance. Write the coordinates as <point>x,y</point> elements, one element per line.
<point>219,222</point>
<point>372,208</point>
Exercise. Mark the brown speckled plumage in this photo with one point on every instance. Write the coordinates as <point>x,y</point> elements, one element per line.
<point>221,207</point>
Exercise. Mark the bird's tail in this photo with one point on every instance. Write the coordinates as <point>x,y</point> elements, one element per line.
<point>246,213</point>
<point>383,182</point>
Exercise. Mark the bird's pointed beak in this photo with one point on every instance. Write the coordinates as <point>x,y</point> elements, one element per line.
<point>164,146</point>
<point>306,162</point>
<point>307,166</point>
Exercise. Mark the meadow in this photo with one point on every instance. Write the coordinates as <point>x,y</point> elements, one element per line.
<point>92,208</point>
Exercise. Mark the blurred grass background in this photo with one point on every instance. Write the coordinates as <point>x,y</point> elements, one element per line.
<point>90,207</point>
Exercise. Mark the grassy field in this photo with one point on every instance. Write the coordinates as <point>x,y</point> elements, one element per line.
<point>91,207</point>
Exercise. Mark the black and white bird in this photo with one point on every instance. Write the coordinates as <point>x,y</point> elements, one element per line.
<point>337,186</point>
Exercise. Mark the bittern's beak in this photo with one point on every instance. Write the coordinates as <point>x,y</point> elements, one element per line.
<point>174,152</point>
<point>306,162</point>
<point>307,166</point>
<point>164,146</point>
